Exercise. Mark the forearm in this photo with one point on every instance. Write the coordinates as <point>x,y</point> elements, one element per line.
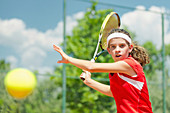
<point>82,64</point>
<point>90,66</point>
<point>116,67</point>
<point>102,88</point>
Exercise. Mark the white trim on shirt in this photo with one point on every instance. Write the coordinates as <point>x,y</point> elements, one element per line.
<point>135,83</point>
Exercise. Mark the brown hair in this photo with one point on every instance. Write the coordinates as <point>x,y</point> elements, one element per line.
<point>139,53</point>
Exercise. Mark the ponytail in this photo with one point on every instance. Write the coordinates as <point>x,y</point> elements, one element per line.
<point>140,54</point>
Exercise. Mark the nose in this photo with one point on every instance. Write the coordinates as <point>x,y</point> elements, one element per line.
<point>117,49</point>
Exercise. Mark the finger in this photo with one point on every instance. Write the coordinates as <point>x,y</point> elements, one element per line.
<point>56,47</point>
<point>83,76</point>
<point>86,72</point>
<point>60,61</point>
<point>83,70</point>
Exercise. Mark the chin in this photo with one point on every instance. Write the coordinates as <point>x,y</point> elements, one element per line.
<point>119,59</point>
<point>116,59</point>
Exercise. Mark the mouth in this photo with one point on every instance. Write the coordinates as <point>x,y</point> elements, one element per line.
<point>118,56</point>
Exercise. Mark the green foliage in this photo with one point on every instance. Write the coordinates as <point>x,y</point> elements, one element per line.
<point>167,50</point>
<point>80,98</point>
<point>153,70</point>
<point>44,99</point>
<point>81,45</point>
<point>155,59</point>
<point>132,34</point>
<point>47,97</point>
<point>4,66</point>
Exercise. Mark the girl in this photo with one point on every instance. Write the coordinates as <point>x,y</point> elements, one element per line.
<point>127,80</point>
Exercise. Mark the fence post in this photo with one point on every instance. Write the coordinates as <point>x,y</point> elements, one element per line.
<point>163,67</point>
<point>64,66</point>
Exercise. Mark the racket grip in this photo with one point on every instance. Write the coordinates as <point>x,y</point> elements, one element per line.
<point>82,76</point>
<point>92,60</point>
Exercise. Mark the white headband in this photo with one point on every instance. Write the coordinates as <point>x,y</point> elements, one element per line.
<point>117,35</point>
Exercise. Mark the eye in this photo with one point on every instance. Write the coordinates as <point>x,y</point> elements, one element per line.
<point>113,47</point>
<point>122,45</point>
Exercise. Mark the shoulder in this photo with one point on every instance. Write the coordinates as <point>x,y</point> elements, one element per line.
<point>135,65</point>
<point>124,67</point>
<point>131,61</point>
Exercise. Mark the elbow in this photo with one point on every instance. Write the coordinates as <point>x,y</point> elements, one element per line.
<point>91,67</point>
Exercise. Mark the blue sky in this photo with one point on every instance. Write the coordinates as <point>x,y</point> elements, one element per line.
<point>28,28</point>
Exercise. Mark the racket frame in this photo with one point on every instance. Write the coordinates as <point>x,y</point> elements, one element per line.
<point>96,55</point>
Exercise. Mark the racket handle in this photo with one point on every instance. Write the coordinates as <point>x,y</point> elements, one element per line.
<point>82,76</point>
<point>92,60</point>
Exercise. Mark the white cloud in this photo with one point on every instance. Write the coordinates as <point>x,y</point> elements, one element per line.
<point>146,25</point>
<point>167,38</point>
<point>13,33</point>
<point>12,60</point>
<point>45,69</point>
<point>71,22</point>
<point>9,27</point>
<point>78,15</point>
<point>140,8</point>
<point>31,44</point>
<point>33,57</point>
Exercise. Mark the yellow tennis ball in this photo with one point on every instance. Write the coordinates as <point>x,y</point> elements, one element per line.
<point>20,83</point>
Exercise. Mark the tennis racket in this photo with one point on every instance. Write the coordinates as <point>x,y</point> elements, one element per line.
<point>111,21</point>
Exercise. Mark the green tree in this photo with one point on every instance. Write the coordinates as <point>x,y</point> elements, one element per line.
<point>44,99</point>
<point>82,99</point>
<point>154,74</point>
<point>155,59</point>
<point>4,66</point>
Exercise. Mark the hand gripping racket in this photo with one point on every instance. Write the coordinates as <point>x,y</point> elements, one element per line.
<point>111,21</point>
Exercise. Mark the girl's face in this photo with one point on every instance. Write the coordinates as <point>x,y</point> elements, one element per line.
<point>119,49</point>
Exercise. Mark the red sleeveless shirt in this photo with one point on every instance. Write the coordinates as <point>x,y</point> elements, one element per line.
<point>130,92</point>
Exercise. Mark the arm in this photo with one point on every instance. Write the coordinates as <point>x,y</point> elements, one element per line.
<point>117,67</point>
<point>102,88</point>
